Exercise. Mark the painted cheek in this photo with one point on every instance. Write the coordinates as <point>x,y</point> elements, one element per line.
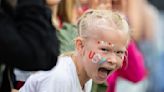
<point>96,58</point>
<point>91,54</point>
<point>98,42</point>
<point>102,60</point>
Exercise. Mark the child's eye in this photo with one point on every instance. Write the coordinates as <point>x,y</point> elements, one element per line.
<point>105,49</point>
<point>120,52</point>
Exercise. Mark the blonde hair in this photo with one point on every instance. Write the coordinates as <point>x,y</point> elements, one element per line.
<point>97,17</point>
<point>65,10</point>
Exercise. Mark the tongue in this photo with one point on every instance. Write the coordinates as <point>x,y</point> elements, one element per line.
<point>102,73</point>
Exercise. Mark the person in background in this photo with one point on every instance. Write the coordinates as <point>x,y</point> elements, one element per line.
<point>27,37</point>
<point>67,16</point>
<point>21,75</point>
<point>63,19</point>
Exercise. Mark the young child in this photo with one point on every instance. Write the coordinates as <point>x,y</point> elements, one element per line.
<point>100,49</point>
<point>133,69</point>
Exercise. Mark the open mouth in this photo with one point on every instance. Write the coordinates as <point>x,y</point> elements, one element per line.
<point>104,72</point>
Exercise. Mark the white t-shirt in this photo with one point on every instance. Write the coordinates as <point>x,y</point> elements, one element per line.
<point>62,78</point>
<point>21,75</point>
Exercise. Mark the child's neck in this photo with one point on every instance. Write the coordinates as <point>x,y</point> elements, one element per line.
<point>82,75</point>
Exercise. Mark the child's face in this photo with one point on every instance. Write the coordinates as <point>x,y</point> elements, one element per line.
<point>104,52</point>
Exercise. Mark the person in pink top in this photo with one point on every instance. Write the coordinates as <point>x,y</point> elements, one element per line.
<point>132,70</point>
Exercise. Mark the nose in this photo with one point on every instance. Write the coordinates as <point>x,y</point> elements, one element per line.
<point>112,60</point>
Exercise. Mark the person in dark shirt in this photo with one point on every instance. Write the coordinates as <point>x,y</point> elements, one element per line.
<point>27,37</point>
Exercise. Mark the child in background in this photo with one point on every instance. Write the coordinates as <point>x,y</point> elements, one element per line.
<point>98,53</point>
<point>67,32</point>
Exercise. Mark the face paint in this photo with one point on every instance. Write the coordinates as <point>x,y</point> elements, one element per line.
<point>105,43</point>
<point>98,42</point>
<point>91,54</point>
<point>96,58</point>
<point>102,60</point>
<point>110,43</point>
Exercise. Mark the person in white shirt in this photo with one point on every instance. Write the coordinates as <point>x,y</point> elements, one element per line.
<point>101,45</point>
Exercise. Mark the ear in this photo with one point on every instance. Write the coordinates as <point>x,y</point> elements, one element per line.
<point>79,43</point>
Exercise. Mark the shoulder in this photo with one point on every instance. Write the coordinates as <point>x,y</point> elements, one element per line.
<point>64,62</point>
<point>62,77</point>
<point>57,78</point>
<point>64,71</point>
